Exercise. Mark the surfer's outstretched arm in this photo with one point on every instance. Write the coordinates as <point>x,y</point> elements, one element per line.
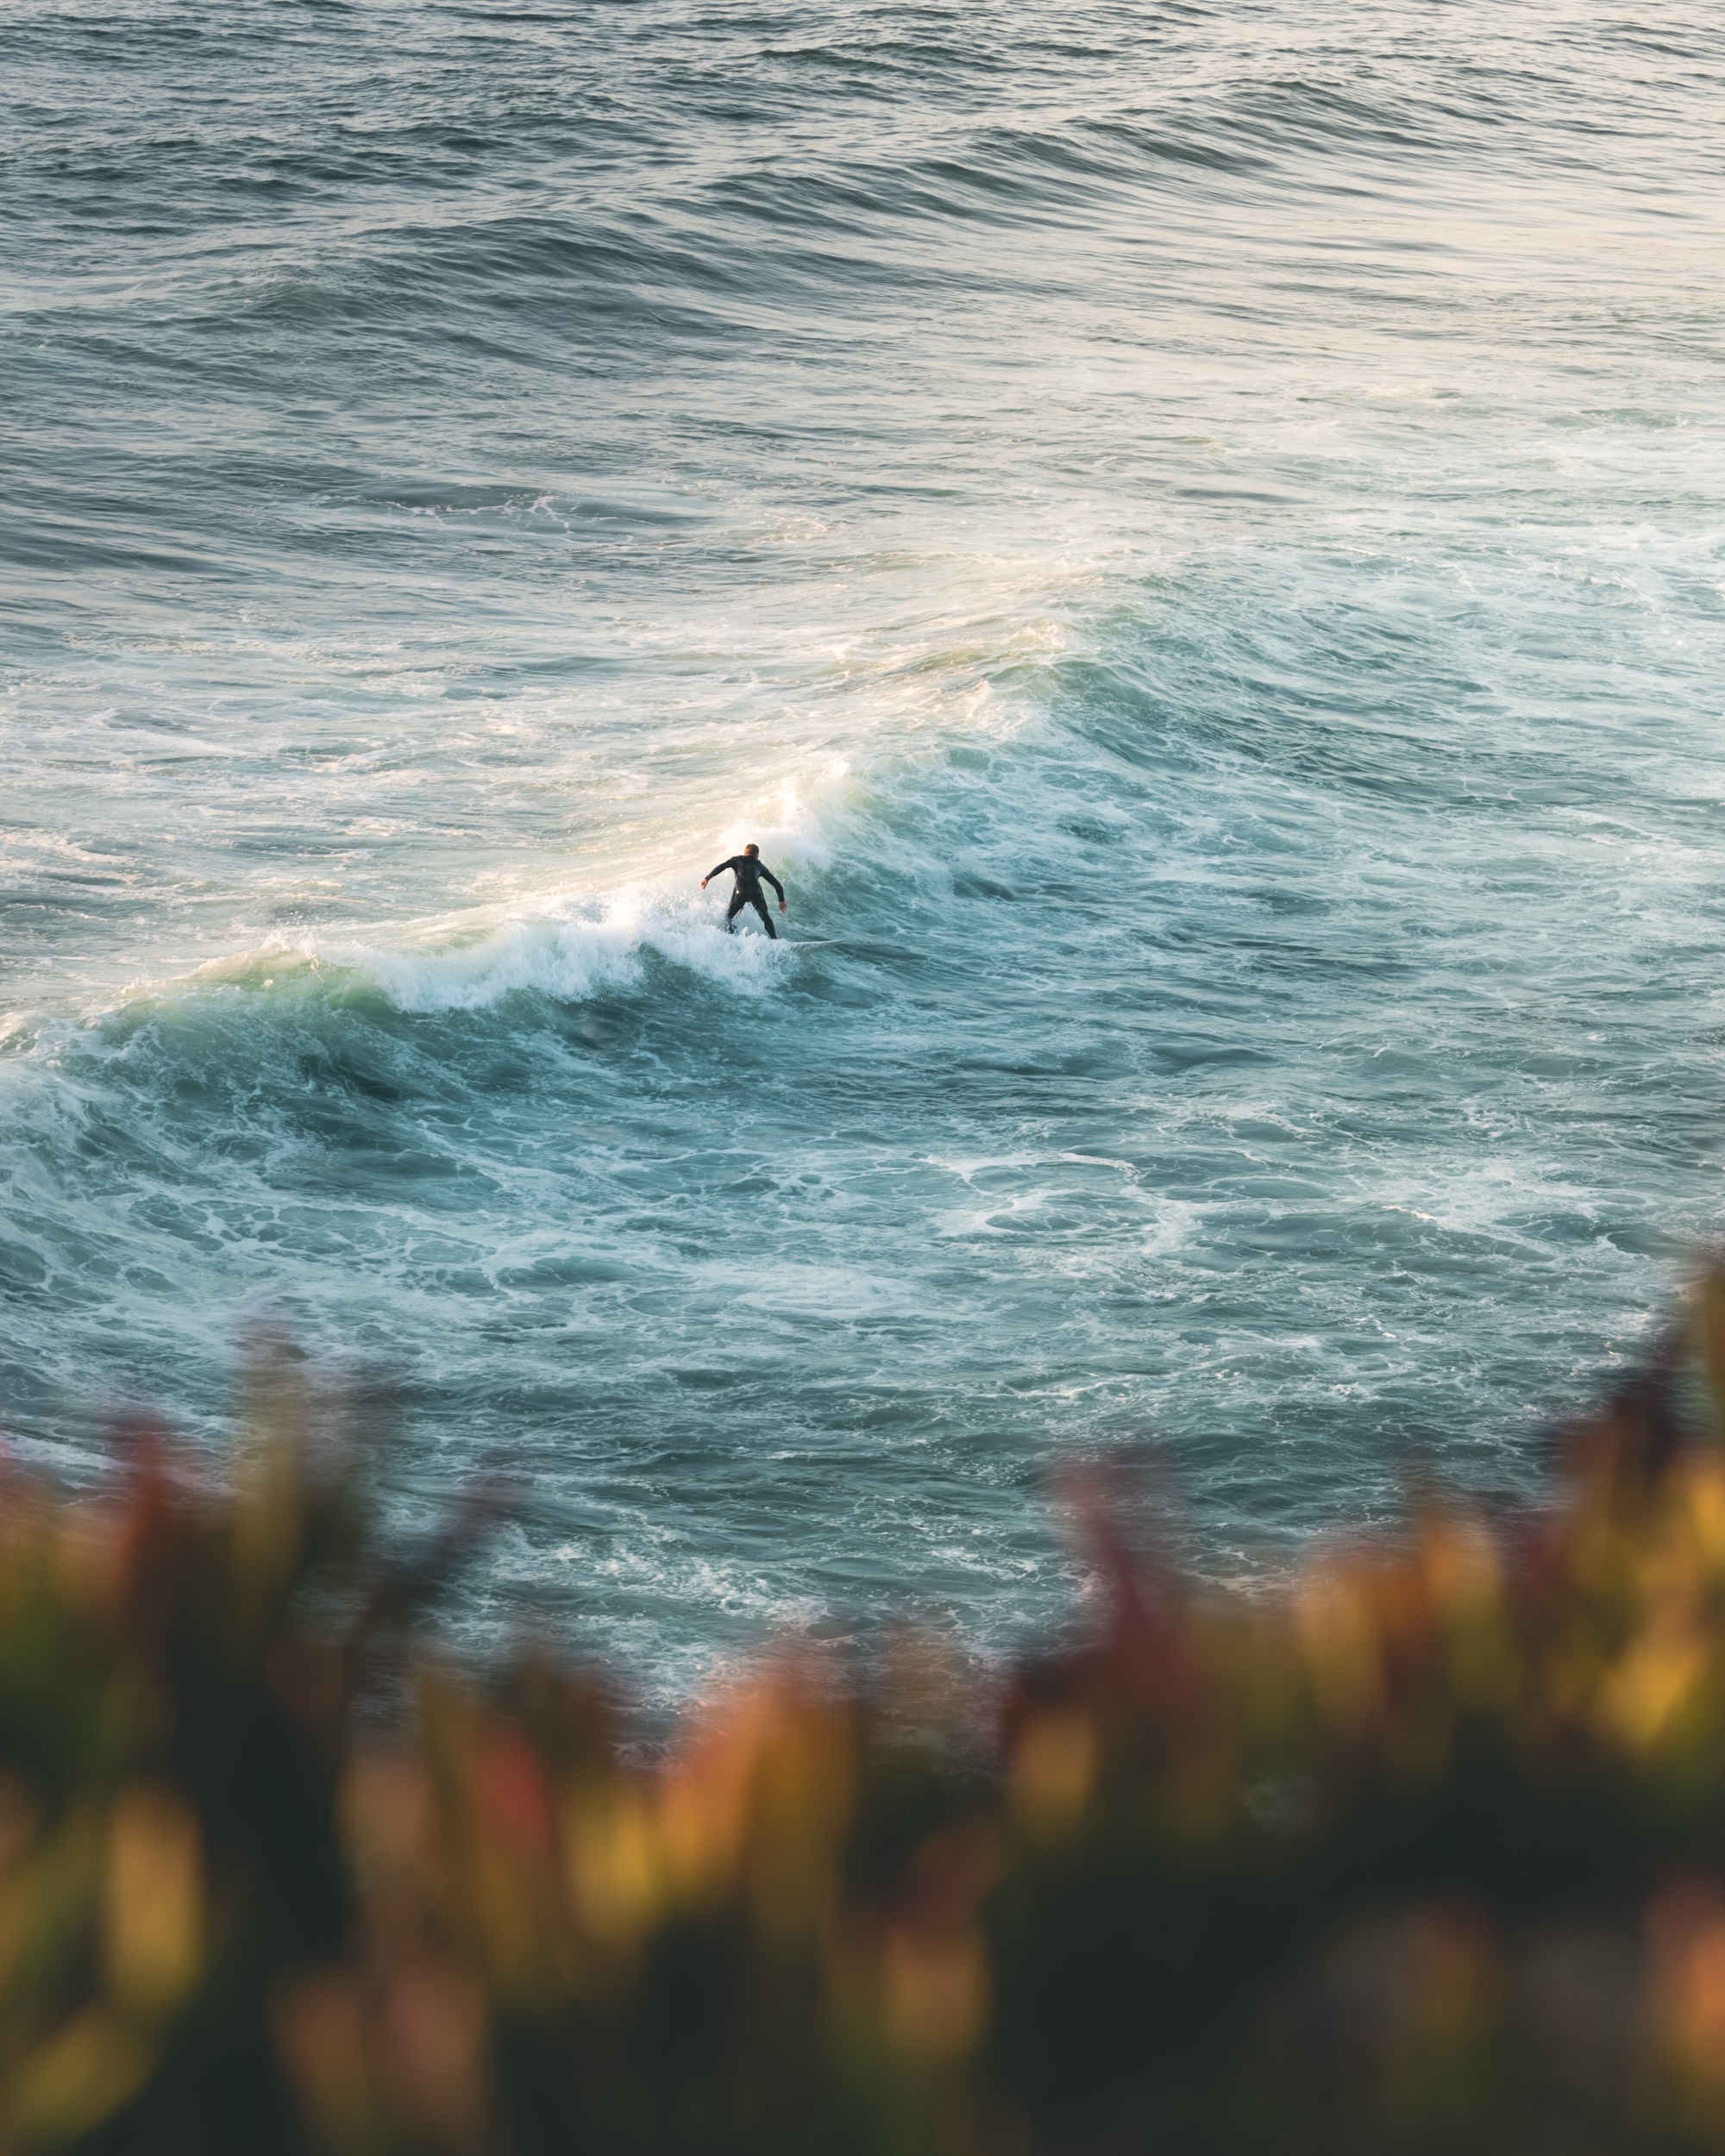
<point>776,884</point>
<point>720,871</point>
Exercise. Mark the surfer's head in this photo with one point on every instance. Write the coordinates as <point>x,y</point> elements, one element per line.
<point>751,849</point>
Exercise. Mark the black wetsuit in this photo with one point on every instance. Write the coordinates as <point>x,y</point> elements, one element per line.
<point>749,868</point>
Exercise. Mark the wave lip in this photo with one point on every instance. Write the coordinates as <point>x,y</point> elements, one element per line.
<point>570,950</point>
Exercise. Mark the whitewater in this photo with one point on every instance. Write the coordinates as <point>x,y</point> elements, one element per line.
<point>1191,536</point>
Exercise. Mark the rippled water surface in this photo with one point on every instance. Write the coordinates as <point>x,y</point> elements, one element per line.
<point>1194,538</point>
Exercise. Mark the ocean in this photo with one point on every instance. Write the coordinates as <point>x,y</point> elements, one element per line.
<point>1192,536</point>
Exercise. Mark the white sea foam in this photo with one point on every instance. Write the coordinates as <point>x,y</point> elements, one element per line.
<point>567,955</point>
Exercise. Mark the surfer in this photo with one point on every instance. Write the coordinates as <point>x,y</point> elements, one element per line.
<point>748,868</point>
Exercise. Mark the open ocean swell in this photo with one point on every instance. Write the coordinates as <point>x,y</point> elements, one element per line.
<point>1191,535</point>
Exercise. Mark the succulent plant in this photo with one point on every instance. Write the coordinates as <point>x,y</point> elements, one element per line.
<point>1426,1853</point>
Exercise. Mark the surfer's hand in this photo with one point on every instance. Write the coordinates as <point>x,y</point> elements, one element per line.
<point>703,883</point>
<point>783,908</point>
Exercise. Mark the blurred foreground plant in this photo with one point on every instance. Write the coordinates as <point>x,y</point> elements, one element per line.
<point>1427,1854</point>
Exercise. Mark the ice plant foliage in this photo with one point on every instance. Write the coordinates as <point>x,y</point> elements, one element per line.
<point>1427,1853</point>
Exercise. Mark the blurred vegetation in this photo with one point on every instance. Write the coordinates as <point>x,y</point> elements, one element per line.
<point>1426,1853</point>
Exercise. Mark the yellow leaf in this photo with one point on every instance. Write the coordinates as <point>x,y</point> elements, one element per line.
<point>153,1901</point>
<point>84,2070</point>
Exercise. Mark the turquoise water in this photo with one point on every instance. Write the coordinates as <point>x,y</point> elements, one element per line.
<point>1193,537</point>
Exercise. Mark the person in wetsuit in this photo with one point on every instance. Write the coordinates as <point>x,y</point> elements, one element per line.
<point>748,868</point>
